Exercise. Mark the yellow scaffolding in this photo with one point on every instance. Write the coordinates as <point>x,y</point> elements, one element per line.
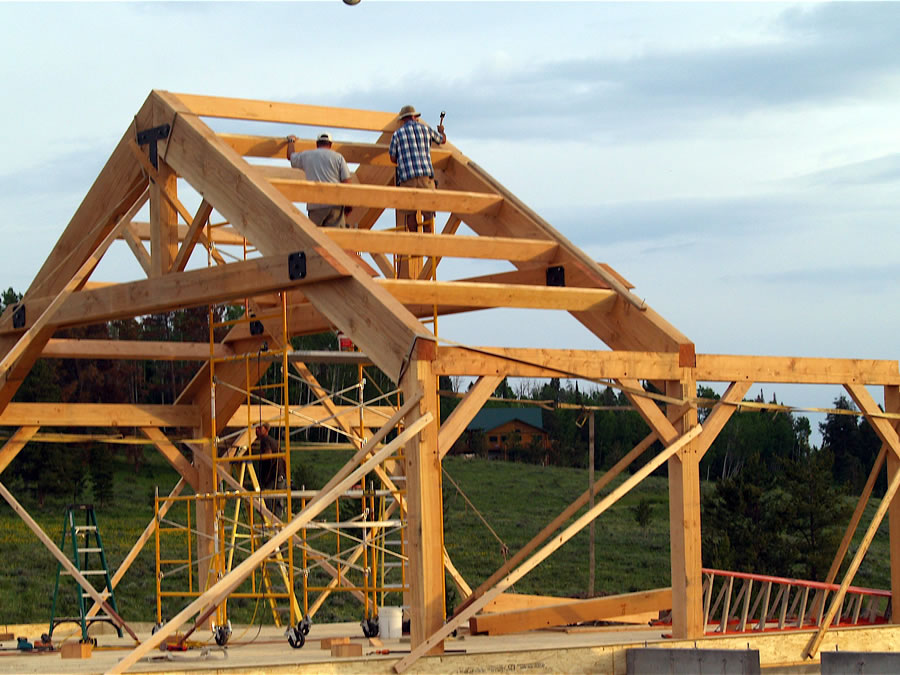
<point>327,559</point>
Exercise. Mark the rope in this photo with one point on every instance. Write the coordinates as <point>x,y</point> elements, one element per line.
<point>504,549</point>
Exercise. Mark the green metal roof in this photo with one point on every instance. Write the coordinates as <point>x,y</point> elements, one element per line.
<point>491,418</point>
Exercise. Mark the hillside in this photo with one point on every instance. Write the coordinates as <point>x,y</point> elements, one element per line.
<point>516,500</point>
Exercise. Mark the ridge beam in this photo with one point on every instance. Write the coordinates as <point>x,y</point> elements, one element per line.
<point>366,154</point>
<point>286,113</point>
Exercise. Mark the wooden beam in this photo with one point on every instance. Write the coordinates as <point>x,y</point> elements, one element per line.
<point>627,324</point>
<point>384,265</point>
<point>192,236</point>
<point>15,443</point>
<point>168,194</point>
<point>267,219</point>
<point>589,265</point>
<point>593,364</point>
<point>378,196</point>
<point>559,521</point>
<point>444,245</point>
<point>458,580</point>
<point>372,175</point>
<point>653,416</point>
<point>173,455</point>
<point>588,364</point>
<point>287,113</point>
<point>74,348</point>
<point>462,414</point>
<point>607,608</point>
<point>777,369</point>
<point>579,524</point>
<point>382,472</point>
<point>684,516</point>
<point>186,289</point>
<point>450,228</point>
<point>508,602</point>
<point>63,560</point>
<point>861,504</point>
<point>870,409</point>
<point>892,405</point>
<point>720,414</point>
<point>369,154</point>
<point>137,248</point>
<point>140,253</point>
<point>425,523</point>
<point>163,217</point>
<point>217,593</point>
<point>222,235</point>
<point>99,415</point>
<point>345,416</point>
<point>468,294</point>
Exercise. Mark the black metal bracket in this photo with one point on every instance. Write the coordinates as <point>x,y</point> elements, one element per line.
<point>19,316</point>
<point>556,275</point>
<point>297,265</point>
<point>151,136</point>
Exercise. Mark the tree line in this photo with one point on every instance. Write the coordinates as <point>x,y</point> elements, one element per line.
<point>772,502</point>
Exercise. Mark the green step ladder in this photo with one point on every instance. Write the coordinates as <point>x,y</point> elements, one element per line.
<point>90,560</point>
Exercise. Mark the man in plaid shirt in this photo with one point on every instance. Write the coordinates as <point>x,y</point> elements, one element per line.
<point>410,150</point>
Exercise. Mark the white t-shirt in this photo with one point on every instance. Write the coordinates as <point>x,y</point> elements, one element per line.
<point>321,165</point>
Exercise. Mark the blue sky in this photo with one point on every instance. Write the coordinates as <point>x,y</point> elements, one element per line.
<point>738,162</point>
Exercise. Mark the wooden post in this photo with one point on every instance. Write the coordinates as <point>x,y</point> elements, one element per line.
<point>163,222</point>
<point>477,605</point>
<point>205,516</point>
<point>892,405</point>
<point>684,523</point>
<point>425,527</point>
<point>592,551</point>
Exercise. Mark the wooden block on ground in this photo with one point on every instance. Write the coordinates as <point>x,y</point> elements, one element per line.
<point>76,650</point>
<point>328,643</point>
<point>347,649</point>
<point>6,637</point>
<point>376,642</point>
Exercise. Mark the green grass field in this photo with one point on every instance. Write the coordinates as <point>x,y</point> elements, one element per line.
<point>516,500</point>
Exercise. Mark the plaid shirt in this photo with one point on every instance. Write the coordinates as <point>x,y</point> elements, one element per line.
<point>411,149</point>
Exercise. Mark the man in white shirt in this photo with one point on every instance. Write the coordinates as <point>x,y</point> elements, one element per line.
<point>325,166</point>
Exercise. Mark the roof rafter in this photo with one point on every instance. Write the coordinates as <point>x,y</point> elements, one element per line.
<point>259,212</point>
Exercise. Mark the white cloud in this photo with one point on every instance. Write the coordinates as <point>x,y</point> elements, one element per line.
<point>738,162</point>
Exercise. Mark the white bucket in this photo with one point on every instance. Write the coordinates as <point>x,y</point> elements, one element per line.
<point>390,623</point>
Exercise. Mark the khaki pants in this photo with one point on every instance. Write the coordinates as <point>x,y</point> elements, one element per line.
<point>407,219</point>
<point>332,216</point>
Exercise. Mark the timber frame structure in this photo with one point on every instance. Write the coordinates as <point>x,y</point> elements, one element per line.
<point>328,287</point>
